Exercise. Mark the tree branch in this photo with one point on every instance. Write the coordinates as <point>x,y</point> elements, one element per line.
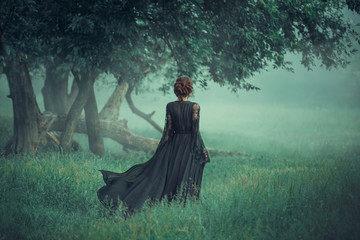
<point>73,93</point>
<point>167,42</point>
<point>136,111</point>
<point>111,110</point>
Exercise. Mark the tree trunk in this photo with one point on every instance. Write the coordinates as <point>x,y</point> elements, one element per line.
<point>111,109</point>
<point>55,90</point>
<point>84,85</point>
<point>96,143</point>
<point>25,108</point>
<point>72,95</point>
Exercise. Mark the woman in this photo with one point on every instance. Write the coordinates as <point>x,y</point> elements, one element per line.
<point>176,168</point>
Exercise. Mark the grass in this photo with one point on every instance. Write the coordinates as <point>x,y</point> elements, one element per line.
<point>303,187</point>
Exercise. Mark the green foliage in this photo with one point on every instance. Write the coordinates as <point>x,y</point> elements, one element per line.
<point>223,41</point>
<point>353,5</point>
<point>279,191</point>
<point>254,34</point>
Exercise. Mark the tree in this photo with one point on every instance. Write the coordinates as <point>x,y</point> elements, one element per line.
<point>223,41</point>
<point>14,65</point>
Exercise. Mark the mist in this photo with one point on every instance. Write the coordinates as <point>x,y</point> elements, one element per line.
<point>305,111</point>
<point>320,100</point>
<point>282,162</point>
<point>301,111</point>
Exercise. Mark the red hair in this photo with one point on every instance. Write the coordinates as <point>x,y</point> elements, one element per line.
<point>183,87</point>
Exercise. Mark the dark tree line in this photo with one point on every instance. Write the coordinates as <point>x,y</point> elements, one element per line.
<point>221,41</point>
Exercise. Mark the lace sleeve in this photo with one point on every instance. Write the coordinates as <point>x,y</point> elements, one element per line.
<point>195,117</point>
<point>168,130</point>
<point>199,149</point>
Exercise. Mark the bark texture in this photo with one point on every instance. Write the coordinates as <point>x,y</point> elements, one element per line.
<point>25,108</point>
<point>118,131</point>
<point>55,90</point>
<point>84,82</point>
<point>115,130</point>
<point>96,143</point>
<point>111,110</point>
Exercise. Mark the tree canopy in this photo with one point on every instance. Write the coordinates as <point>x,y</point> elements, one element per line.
<point>209,40</point>
<point>224,41</point>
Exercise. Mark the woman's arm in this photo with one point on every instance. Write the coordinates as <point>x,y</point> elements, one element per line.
<point>198,147</point>
<point>168,129</point>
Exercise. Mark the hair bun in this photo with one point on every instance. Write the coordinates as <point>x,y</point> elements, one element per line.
<point>183,87</point>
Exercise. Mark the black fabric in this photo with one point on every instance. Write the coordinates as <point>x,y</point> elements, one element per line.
<point>175,170</point>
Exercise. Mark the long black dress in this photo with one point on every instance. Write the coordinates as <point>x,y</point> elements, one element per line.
<point>174,171</point>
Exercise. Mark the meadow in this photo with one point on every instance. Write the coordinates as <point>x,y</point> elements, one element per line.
<point>300,180</point>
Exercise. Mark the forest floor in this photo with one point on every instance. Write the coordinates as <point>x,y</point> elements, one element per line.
<point>297,182</point>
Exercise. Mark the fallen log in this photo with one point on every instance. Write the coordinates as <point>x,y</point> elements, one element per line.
<point>119,132</point>
<point>115,130</point>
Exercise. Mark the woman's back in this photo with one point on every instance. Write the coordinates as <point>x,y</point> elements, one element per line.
<point>181,114</point>
<point>174,171</point>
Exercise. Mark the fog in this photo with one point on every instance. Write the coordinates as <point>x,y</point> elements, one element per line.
<point>303,89</point>
<point>300,110</point>
<point>289,168</point>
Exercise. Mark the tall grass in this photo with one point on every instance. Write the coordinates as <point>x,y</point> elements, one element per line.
<point>307,189</point>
